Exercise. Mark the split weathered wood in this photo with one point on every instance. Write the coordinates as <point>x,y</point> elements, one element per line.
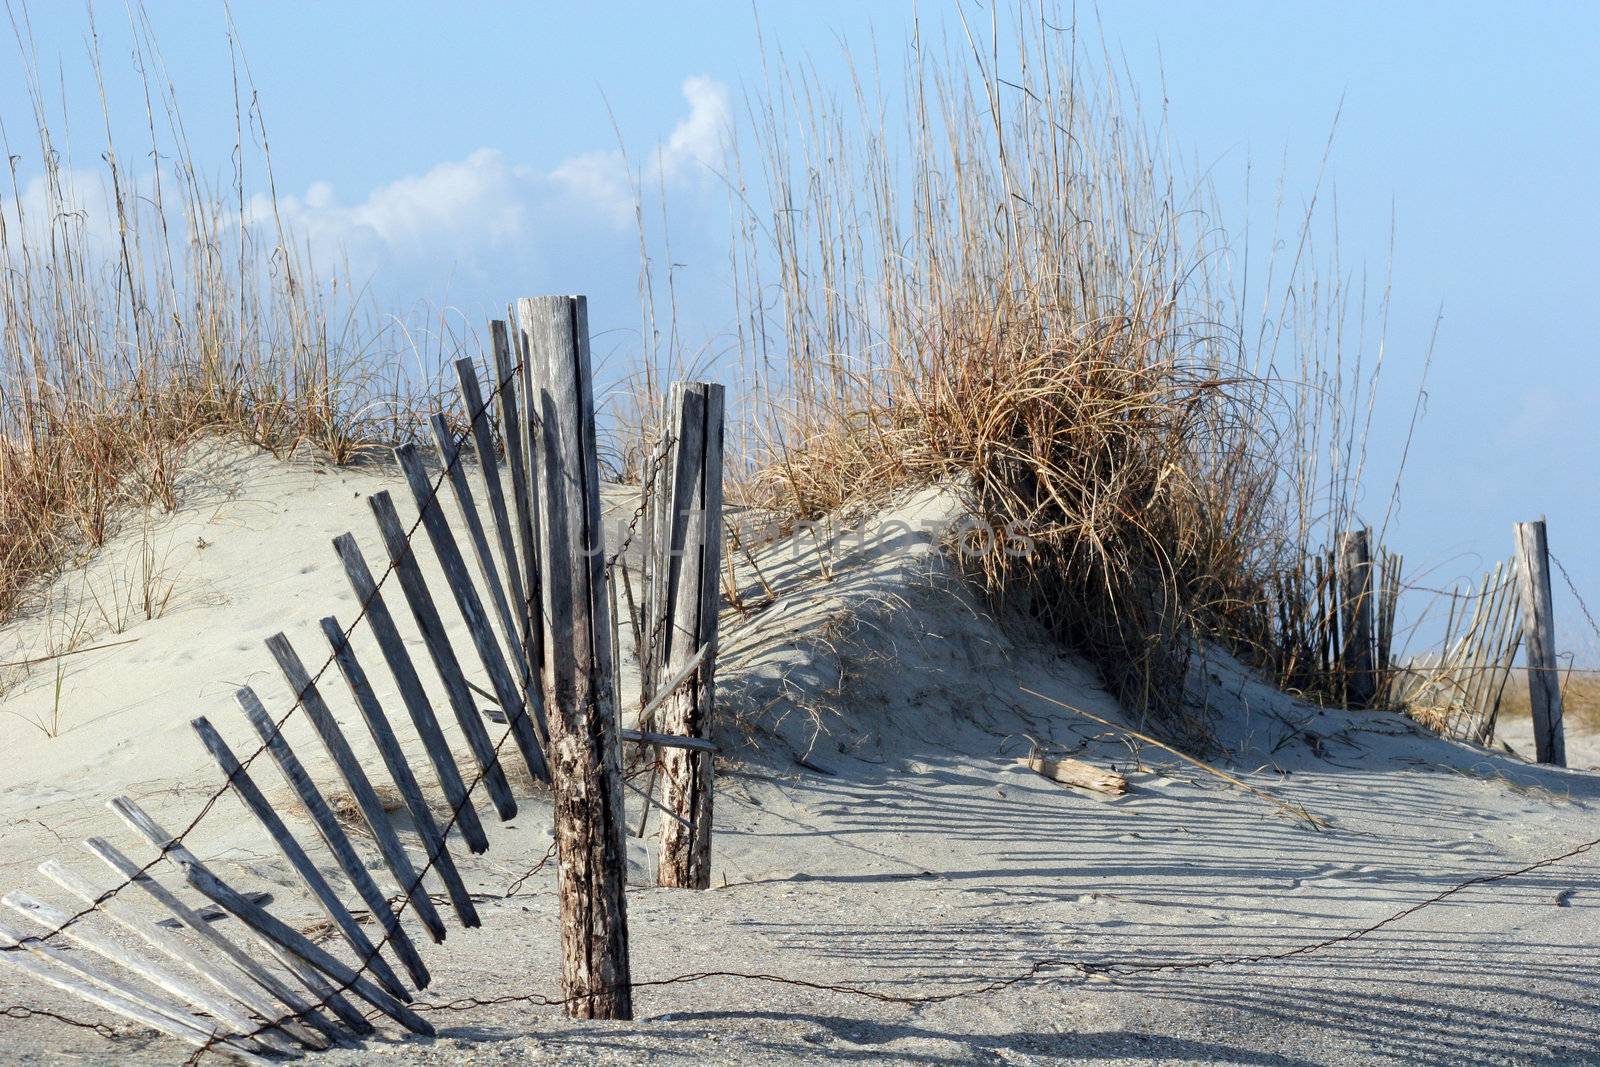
<point>455,475</point>
<point>443,655</point>
<point>237,1023</point>
<point>223,978</point>
<point>56,968</point>
<point>245,788</point>
<point>300,1009</point>
<point>553,336</point>
<point>286,943</point>
<point>528,727</point>
<point>1077,773</point>
<point>394,758</point>
<point>694,592</point>
<point>1539,642</point>
<point>512,378</point>
<point>355,780</point>
<point>412,695</point>
<point>1355,571</point>
<point>334,837</point>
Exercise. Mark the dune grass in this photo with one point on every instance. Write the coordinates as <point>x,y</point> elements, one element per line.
<point>141,313</point>
<point>993,276</point>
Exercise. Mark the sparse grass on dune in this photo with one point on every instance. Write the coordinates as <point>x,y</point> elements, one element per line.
<point>139,313</point>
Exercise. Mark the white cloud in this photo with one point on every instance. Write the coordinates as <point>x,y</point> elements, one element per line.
<point>696,147</point>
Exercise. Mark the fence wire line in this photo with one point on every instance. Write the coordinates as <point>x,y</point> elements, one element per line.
<point>211,801</point>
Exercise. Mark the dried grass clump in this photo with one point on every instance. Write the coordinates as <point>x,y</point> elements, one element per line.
<point>994,280</point>
<point>142,311</point>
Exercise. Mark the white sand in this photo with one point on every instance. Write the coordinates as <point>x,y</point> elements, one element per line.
<point>907,853</point>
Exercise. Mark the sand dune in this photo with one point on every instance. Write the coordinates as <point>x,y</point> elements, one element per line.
<point>874,828</point>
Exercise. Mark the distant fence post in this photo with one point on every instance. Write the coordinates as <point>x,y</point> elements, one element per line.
<point>586,763</point>
<point>1539,640</point>
<point>689,559</point>
<point>1355,573</point>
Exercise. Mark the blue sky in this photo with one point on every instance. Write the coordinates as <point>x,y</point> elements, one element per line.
<point>465,154</point>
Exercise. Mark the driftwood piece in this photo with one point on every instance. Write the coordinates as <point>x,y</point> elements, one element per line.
<point>245,788</point>
<point>442,654</point>
<point>1076,773</point>
<point>585,743</point>
<point>415,698</point>
<point>394,758</point>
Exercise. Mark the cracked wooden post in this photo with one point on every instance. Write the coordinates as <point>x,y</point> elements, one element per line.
<point>585,756</point>
<point>1355,575</point>
<point>1539,641</point>
<point>691,561</point>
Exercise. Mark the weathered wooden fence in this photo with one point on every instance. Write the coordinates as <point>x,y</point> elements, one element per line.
<point>537,617</point>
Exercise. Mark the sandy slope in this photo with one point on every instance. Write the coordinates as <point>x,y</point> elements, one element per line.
<point>876,832</point>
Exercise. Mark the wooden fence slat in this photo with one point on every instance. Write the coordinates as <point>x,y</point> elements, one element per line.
<point>1355,569</point>
<point>73,976</point>
<point>302,1010</point>
<point>526,732</point>
<point>361,791</point>
<point>1539,642</point>
<point>239,1025</point>
<point>334,837</point>
<point>510,599</point>
<point>394,758</point>
<point>246,789</point>
<point>201,878</point>
<point>519,463</point>
<point>694,593</point>
<point>412,695</point>
<point>506,534</point>
<point>442,654</point>
<point>176,949</point>
<point>590,819</point>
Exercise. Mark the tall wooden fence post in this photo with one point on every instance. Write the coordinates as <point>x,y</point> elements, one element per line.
<point>1355,574</point>
<point>585,742</point>
<point>1539,641</point>
<point>690,559</point>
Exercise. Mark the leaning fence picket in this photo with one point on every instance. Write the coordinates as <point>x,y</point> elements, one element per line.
<point>445,663</point>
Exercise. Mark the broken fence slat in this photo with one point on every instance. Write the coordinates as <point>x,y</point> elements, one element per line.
<point>299,1007</point>
<point>361,791</point>
<point>53,918</point>
<point>190,866</point>
<point>333,836</point>
<point>523,730</point>
<point>68,975</point>
<point>443,655</point>
<point>394,758</point>
<point>176,949</point>
<point>412,694</point>
<point>245,788</point>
